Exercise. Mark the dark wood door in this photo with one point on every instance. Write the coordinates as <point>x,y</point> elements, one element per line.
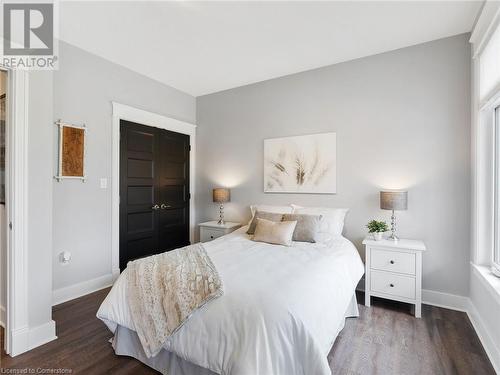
<point>174,195</point>
<point>154,191</point>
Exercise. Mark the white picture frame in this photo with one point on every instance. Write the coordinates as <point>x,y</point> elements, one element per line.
<point>60,175</point>
<point>304,164</point>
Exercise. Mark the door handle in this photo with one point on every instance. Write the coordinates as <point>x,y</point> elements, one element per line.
<point>164,206</point>
<point>155,207</point>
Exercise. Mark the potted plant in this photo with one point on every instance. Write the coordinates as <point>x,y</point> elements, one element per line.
<point>377,228</point>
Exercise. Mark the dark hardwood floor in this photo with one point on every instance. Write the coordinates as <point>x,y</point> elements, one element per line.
<point>385,339</point>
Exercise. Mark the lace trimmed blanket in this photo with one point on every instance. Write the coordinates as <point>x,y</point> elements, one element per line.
<point>165,289</point>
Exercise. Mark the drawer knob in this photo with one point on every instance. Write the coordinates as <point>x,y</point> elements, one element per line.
<point>391,285</point>
<point>392,262</point>
<point>212,237</point>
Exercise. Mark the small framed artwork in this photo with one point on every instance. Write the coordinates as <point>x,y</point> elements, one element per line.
<point>72,140</point>
<point>302,164</point>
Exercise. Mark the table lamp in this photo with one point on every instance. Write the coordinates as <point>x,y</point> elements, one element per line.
<point>395,201</point>
<point>221,195</point>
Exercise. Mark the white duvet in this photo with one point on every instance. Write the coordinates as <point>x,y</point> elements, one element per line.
<point>280,313</point>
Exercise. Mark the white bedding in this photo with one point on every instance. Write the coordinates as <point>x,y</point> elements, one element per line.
<point>279,314</point>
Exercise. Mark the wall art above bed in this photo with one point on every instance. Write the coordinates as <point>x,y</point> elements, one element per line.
<point>301,164</point>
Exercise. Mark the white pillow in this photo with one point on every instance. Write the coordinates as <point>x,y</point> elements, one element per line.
<point>274,209</point>
<point>332,221</point>
<point>279,233</point>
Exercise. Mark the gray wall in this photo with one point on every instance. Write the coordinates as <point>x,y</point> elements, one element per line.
<point>84,87</point>
<point>402,120</point>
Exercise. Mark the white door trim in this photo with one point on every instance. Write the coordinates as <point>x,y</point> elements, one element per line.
<point>16,189</point>
<point>125,112</point>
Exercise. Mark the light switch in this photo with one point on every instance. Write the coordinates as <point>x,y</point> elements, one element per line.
<point>64,257</point>
<point>104,183</point>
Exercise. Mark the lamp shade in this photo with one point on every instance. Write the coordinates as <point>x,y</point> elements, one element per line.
<point>221,195</point>
<point>394,200</point>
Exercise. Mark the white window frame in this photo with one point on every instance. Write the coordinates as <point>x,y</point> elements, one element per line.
<point>487,197</point>
<point>495,114</point>
<point>484,210</point>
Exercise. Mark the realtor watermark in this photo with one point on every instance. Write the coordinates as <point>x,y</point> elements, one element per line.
<point>29,35</point>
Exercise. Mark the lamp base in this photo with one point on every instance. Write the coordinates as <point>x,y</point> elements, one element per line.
<point>393,237</point>
<point>221,215</point>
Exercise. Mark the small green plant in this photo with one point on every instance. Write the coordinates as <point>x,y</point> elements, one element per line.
<point>375,226</point>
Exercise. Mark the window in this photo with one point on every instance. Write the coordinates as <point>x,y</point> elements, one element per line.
<point>487,241</point>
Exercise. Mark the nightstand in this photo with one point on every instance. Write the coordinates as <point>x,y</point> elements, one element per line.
<point>211,230</point>
<point>394,271</point>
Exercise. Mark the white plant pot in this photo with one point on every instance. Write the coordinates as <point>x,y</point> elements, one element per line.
<point>377,236</point>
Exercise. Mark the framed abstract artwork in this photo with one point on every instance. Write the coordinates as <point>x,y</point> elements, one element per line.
<point>72,139</point>
<point>301,164</point>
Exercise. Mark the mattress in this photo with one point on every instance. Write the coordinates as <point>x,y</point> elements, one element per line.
<point>281,310</point>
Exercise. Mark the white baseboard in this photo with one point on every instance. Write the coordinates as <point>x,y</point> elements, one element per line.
<point>445,300</point>
<point>41,334</point>
<point>438,299</point>
<point>25,339</point>
<point>77,290</point>
<point>489,345</point>
<point>3,316</point>
<point>19,341</point>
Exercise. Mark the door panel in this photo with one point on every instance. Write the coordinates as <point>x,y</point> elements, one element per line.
<point>175,170</point>
<point>140,222</point>
<point>140,141</point>
<point>173,217</point>
<point>154,170</point>
<point>136,247</point>
<point>138,192</point>
<point>174,189</point>
<point>174,193</point>
<point>137,168</point>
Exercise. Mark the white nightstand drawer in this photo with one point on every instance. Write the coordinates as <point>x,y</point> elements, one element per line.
<point>393,261</point>
<point>209,234</point>
<point>392,284</point>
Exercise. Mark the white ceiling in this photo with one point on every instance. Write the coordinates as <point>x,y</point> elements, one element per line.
<point>204,47</point>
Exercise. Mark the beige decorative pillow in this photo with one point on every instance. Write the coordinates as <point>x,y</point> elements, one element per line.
<point>279,233</point>
<point>307,226</point>
<point>272,216</point>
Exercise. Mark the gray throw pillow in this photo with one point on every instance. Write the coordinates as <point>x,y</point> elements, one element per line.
<point>263,215</point>
<point>307,227</point>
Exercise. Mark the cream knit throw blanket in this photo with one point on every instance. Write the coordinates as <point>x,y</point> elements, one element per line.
<point>165,289</point>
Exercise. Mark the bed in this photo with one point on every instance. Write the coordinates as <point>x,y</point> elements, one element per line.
<point>281,311</point>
